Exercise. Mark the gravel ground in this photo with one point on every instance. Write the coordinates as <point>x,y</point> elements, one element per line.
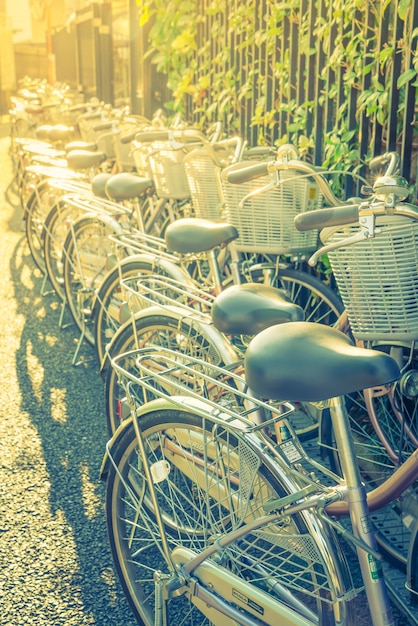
<point>55,567</point>
<point>55,564</point>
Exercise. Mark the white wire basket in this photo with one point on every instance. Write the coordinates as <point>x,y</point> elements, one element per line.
<point>167,171</point>
<point>140,155</point>
<point>378,278</point>
<point>105,141</point>
<point>123,151</point>
<point>203,167</point>
<point>263,211</point>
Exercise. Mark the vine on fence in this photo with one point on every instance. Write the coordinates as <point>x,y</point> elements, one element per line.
<point>223,59</point>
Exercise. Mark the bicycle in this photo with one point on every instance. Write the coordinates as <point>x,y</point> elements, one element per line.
<point>122,187</point>
<point>77,161</point>
<point>149,217</point>
<point>218,510</point>
<point>192,239</point>
<point>394,539</point>
<point>57,221</point>
<point>51,183</point>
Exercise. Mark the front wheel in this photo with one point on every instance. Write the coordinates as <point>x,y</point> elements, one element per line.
<point>213,483</point>
<point>165,330</point>
<point>319,302</point>
<point>86,253</point>
<point>384,425</point>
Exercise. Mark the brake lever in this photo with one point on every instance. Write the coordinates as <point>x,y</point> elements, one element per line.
<point>360,236</point>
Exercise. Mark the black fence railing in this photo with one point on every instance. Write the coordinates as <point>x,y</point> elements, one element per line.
<point>346,84</point>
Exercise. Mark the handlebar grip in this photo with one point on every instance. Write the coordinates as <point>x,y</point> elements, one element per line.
<point>128,138</point>
<point>333,216</point>
<point>152,135</point>
<point>260,151</point>
<point>103,126</point>
<point>94,115</point>
<point>248,173</point>
<point>382,160</point>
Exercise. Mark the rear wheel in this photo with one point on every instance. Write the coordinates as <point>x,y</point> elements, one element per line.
<point>162,330</point>
<point>320,303</point>
<point>111,296</point>
<point>38,206</point>
<point>86,254</point>
<point>214,483</point>
<point>55,232</point>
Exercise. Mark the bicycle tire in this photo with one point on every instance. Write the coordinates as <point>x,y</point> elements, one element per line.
<point>412,566</point>
<point>54,235</point>
<point>86,251</point>
<point>320,303</point>
<point>38,206</point>
<point>110,296</point>
<point>222,484</point>
<point>393,417</point>
<point>163,328</point>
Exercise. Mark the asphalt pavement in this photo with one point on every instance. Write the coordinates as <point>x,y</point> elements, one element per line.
<point>55,564</point>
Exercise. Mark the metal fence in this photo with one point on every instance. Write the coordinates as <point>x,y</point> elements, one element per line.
<point>301,80</point>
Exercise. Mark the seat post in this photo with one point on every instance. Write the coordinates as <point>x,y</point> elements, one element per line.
<point>369,559</point>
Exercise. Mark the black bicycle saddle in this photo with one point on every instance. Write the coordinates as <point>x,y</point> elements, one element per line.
<point>310,362</point>
<point>249,308</point>
<point>193,235</point>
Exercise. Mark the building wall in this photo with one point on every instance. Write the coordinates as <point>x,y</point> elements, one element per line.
<point>7,61</point>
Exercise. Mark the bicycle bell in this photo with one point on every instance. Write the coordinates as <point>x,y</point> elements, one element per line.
<point>392,186</point>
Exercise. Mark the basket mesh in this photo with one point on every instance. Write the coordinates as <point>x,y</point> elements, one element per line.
<point>265,222</point>
<point>167,170</point>
<point>102,138</point>
<point>123,151</point>
<point>378,279</point>
<point>140,154</point>
<point>203,178</point>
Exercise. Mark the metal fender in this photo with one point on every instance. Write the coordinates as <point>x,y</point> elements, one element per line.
<point>226,351</point>
<point>191,405</point>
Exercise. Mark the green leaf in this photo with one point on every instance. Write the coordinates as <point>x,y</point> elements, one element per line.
<point>385,55</point>
<point>348,135</point>
<point>406,77</point>
<point>403,8</point>
<point>144,14</point>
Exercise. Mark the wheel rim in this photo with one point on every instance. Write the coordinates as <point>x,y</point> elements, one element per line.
<point>212,486</point>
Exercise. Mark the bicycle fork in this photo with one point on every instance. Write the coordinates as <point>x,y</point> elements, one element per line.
<point>370,562</point>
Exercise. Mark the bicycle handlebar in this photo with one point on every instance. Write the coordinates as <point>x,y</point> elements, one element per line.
<point>389,194</point>
<point>170,135</point>
<point>321,218</point>
<point>102,126</point>
<point>249,173</point>
<point>391,159</point>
